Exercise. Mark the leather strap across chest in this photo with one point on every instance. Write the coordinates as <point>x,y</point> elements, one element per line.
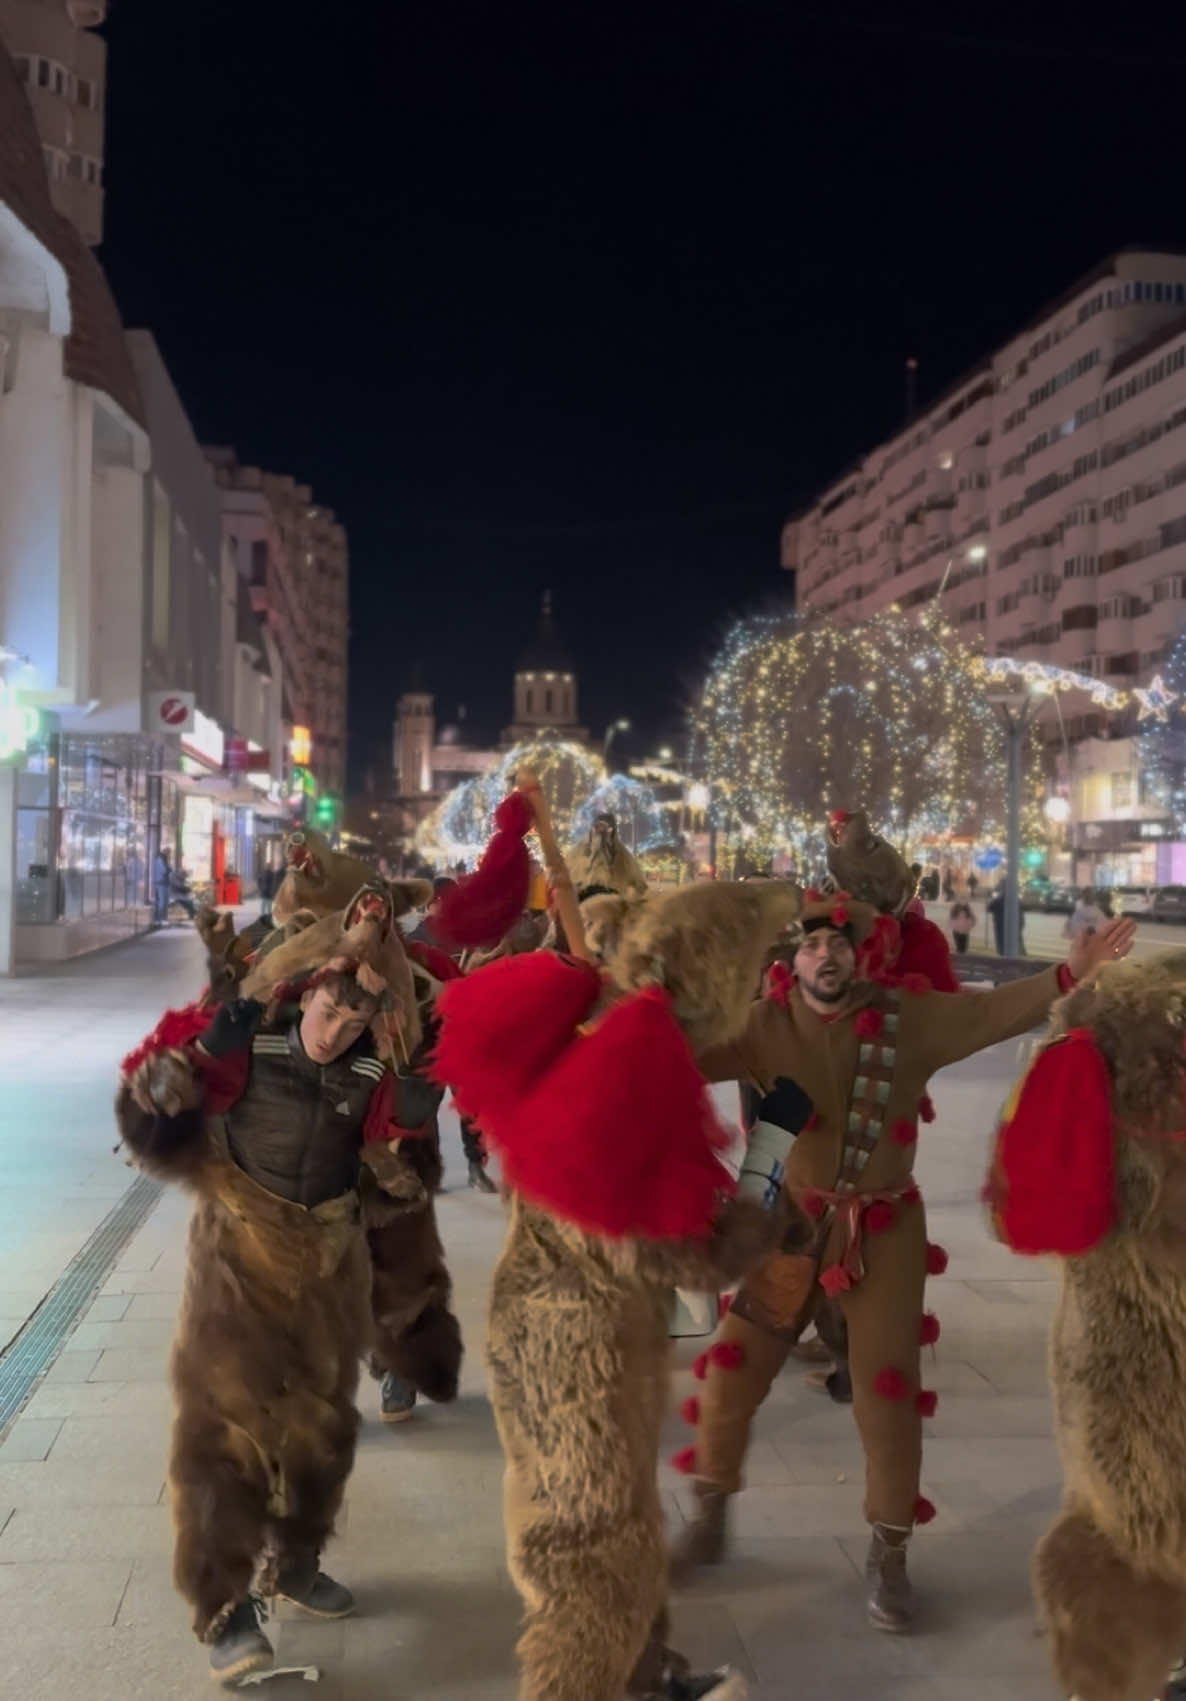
<point>869,1099</point>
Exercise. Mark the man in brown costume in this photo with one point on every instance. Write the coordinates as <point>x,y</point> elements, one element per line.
<point>267,1112</point>
<point>863,1053</point>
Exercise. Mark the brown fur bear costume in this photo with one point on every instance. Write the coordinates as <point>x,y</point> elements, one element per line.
<point>414,1334</point>
<point>582,1293</point>
<point>273,1315</point>
<point>1091,1166</point>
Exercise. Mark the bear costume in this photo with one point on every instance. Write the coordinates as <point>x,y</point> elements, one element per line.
<point>1090,1167</point>
<point>586,1083</point>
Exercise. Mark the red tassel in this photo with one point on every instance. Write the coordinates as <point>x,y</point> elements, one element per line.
<point>891,1384</point>
<point>503,1027</point>
<point>812,1204</point>
<point>926,1402</point>
<point>685,1460</point>
<point>727,1355</point>
<point>924,1510</point>
<point>176,1029</point>
<point>813,895</point>
<point>916,984</point>
<point>779,981</point>
<point>700,1366</point>
<point>926,1108</point>
<point>911,1196</point>
<point>929,1329</point>
<point>437,963</point>
<point>839,916</point>
<point>481,909</point>
<point>936,1259</point>
<point>869,1024</point>
<point>879,1216</point>
<point>838,818</point>
<point>690,1410</point>
<point>812,1121</point>
<point>726,1304</point>
<point>904,1132</point>
<point>834,1280</point>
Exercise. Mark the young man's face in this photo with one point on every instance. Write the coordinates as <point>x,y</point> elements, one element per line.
<point>825,965</point>
<point>327,1028</point>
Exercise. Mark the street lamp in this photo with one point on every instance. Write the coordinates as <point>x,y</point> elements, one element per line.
<point>1014,707</point>
<point>1058,810</point>
<point>610,733</point>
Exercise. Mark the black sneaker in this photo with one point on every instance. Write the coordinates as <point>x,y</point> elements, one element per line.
<point>722,1685</point>
<point>242,1647</point>
<point>317,1594</point>
<point>479,1179</point>
<point>397,1399</point>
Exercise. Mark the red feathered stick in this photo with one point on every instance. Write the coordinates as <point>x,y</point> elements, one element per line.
<point>482,908</point>
<point>175,1030</point>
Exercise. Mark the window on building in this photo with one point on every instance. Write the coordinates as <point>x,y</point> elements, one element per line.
<point>530,701</point>
<point>1122,791</point>
<point>548,701</point>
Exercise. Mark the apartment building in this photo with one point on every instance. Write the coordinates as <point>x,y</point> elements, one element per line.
<point>294,555</point>
<point>1042,499</point>
<point>63,66</point>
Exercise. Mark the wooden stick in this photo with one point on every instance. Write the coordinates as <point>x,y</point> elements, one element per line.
<point>567,907</point>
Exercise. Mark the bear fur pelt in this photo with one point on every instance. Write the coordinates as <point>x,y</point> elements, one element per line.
<point>577,1343</point>
<point>321,879</point>
<point>1110,1574</point>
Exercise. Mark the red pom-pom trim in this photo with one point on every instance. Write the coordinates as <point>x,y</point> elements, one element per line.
<point>929,1329</point>
<point>834,1280</point>
<point>700,1366</point>
<point>813,895</point>
<point>726,1304</point>
<point>926,1402</point>
<point>891,1384</point>
<point>924,1510</point>
<point>869,1023</point>
<point>812,1121</point>
<point>813,1205</point>
<point>839,916</point>
<point>879,1216</point>
<point>911,1196</point>
<point>937,1259</point>
<point>779,981</point>
<point>917,984</point>
<point>690,1410</point>
<point>904,1132</point>
<point>838,818</point>
<point>727,1355</point>
<point>684,1461</point>
<point>926,1108</point>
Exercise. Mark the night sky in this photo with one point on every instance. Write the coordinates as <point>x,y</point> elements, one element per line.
<point>591,298</point>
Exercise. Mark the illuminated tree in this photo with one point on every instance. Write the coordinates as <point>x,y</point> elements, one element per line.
<point>1161,746</point>
<point>460,826</point>
<point>800,717</point>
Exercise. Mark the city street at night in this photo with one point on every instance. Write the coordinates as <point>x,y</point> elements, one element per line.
<point>85,1599</point>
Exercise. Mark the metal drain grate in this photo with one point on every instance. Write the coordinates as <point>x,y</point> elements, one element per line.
<point>31,1352</point>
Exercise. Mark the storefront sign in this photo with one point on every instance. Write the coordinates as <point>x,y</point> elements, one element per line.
<point>302,745</point>
<point>170,711</point>
<point>19,724</point>
<point>236,756</point>
<point>206,740</point>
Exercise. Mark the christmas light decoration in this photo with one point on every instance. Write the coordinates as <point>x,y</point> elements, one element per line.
<point>801,717</point>
<point>641,826</point>
<point>1155,700</point>
<point>461,824</point>
<point>1043,679</point>
<point>1161,743</point>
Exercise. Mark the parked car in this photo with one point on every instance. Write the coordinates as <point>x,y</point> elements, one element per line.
<point>1060,899</point>
<point>1133,900</point>
<point>1169,904</point>
<point>1033,894</point>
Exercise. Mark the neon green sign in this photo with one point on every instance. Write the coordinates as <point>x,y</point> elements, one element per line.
<point>19,724</point>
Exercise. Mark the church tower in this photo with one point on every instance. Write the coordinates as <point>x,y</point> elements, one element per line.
<point>545,686</point>
<point>415,735</point>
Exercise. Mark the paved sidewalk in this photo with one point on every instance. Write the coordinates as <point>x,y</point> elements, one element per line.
<point>85,1599</point>
<point>62,1034</point>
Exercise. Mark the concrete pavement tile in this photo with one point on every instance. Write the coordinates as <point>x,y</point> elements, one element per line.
<point>74,1532</point>
<point>66,1399</point>
<point>150,1598</point>
<point>107,1308</point>
<point>767,1514</point>
<point>1002,1416</point>
<point>152,1305</point>
<point>126,1481</point>
<point>130,1364</point>
<point>29,1439</point>
<point>823,1464</point>
<point>423,1644</point>
<point>79,1594</point>
<point>142,1281</point>
<point>119,1664</point>
<point>705,1634</point>
<point>149,1332</point>
<point>70,1367</point>
<point>101,1440</point>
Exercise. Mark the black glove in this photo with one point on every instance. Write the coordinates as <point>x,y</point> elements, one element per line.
<point>233,1029</point>
<point>788,1106</point>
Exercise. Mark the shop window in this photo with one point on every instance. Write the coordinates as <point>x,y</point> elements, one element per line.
<point>101,847</point>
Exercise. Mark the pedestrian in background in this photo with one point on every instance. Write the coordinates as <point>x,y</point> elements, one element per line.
<point>961,918</point>
<point>1086,917</point>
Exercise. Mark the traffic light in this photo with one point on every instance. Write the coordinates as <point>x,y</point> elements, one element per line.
<point>326,813</point>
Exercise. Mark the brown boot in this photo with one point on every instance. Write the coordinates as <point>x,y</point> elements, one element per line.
<point>890,1599</point>
<point>705,1539</point>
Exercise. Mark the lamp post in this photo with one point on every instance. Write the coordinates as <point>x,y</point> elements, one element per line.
<point>1014,708</point>
<point>700,800</point>
<point>611,733</point>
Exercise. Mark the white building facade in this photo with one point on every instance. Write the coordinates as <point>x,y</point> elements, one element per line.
<point>1042,502</point>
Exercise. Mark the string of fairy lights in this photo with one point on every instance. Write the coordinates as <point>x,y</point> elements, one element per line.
<point>799,718</point>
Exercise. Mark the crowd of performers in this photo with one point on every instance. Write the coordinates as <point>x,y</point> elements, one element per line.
<point>297,1100</point>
